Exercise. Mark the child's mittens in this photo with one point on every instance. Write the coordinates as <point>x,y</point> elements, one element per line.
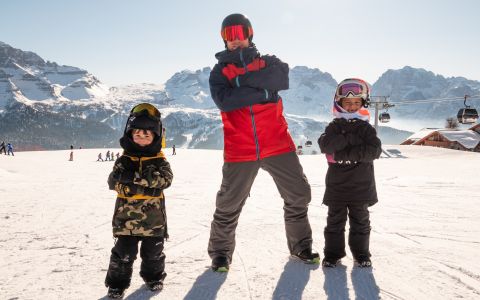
<point>123,190</point>
<point>120,174</point>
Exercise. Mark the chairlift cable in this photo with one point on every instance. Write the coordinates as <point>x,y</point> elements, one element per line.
<point>433,100</point>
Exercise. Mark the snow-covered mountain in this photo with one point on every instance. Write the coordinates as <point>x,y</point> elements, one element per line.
<point>311,92</point>
<point>190,89</point>
<point>26,78</point>
<point>44,105</point>
<point>417,84</point>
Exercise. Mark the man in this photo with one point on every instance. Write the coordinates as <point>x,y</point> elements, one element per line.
<point>244,86</point>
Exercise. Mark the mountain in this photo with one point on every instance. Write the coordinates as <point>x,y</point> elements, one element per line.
<point>26,78</point>
<point>44,105</point>
<point>311,92</point>
<point>190,89</point>
<point>418,84</point>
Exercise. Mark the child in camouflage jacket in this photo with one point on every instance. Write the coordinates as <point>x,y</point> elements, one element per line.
<point>139,177</point>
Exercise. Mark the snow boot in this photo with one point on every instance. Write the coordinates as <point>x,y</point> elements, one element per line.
<point>363,262</point>
<point>220,264</point>
<point>115,293</point>
<point>308,256</point>
<point>154,286</point>
<point>329,262</point>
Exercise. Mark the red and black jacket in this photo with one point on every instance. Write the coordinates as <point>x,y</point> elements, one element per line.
<point>244,86</point>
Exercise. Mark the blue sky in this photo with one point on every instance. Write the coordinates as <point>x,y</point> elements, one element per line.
<point>124,42</point>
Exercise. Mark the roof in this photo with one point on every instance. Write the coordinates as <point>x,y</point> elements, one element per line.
<point>476,126</point>
<point>467,138</point>
<point>422,133</point>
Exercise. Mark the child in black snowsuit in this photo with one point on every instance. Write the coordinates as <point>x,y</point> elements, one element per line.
<point>139,176</point>
<point>350,144</point>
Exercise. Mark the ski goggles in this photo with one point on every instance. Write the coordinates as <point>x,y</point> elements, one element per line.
<point>146,109</point>
<point>352,89</point>
<point>236,32</point>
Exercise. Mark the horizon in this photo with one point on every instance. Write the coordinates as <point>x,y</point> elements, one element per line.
<point>127,43</point>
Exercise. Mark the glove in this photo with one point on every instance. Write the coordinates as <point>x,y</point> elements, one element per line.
<point>128,190</point>
<point>123,189</point>
<point>124,176</point>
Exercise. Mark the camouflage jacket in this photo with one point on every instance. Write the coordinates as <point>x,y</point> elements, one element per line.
<point>140,205</point>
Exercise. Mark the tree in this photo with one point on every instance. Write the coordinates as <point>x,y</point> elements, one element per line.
<point>451,123</point>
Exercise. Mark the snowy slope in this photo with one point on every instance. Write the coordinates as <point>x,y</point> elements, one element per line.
<point>56,232</point>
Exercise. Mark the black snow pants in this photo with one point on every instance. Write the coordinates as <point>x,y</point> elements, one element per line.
<point>358,237</point>
<point>124,254</point>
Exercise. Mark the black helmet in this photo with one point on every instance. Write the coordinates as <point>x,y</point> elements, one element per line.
<point>144,116</point>
<point>237,19</point>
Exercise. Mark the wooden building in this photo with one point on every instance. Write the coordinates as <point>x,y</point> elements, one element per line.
<point>466,140</point>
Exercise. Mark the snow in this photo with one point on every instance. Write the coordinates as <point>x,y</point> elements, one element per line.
<point>56,233</point>
<point>468,138</point>
<point>422,133</point>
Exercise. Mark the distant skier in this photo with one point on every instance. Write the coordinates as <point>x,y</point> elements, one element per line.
<point>244,85</point>
<point>350,144</point>
<point>71,156</point>
<point>10,149</point>
<point>2,147</point>
<point>139,176</point>
<point>100,157</point>
<point>118,155</point>
<point>173,150</point>
<point>107,156</point>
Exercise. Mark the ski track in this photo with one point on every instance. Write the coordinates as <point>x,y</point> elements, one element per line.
<point>245,274</point>
<point>460,281</point>
<point>392,295</point>
<point>442,238</point>
<point>183,241</point>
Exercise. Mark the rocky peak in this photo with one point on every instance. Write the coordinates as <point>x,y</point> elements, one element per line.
<point>9,56</point>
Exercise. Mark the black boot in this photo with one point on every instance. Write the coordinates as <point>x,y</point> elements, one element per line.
<point>363,262</point>
<point>220,264</point>
<point>154,286</point>
<point>330,262</point>
<point>115,293</point>
<point>308,256</point>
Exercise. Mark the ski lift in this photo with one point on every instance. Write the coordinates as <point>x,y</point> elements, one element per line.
<point>467,115</point>
<point>384,117</point>
<point>308,143</point>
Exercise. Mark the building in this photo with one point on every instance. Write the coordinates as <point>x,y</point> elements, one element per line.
<point>466,140</point>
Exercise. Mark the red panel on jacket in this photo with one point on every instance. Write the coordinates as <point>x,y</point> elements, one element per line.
<point>257,131</point>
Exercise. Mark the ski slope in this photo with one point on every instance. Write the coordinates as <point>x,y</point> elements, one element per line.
<point>56,234</point>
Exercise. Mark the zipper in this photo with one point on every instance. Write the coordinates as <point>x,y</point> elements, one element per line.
<point>140,166</point>
<point>255,132</point>
<point>243,61</point>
